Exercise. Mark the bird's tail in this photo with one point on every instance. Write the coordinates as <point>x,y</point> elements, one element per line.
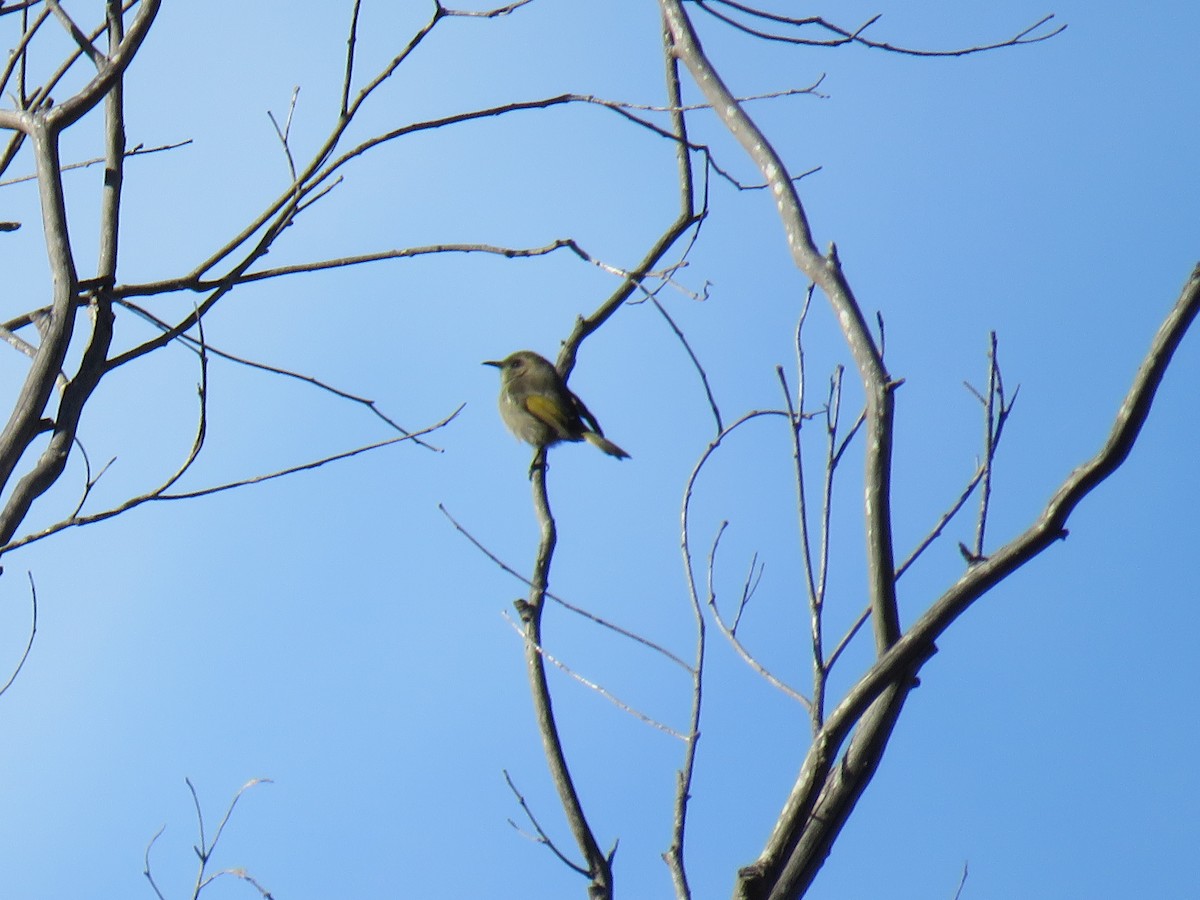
<point>597,440</point>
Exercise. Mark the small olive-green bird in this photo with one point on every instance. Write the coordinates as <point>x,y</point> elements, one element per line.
<point>539,408</point>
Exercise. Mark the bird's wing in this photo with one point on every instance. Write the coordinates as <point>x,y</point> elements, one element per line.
<point>549,412</point>
<point>585,413</point>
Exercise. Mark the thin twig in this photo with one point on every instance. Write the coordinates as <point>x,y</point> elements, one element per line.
<point>284,134</point>
<point>188,283</point>
<point>253,782</point>
<point>731,633</point>
<point>146,863</point>
<point>904,659</point>
<point>17,56</point>
<point>712,401</point>
<point>205,850</point>
<point>312,464</point>
<point>542,838</point>
<point>89,481</point>
<point>833,409</point>
<point>989,445</point>
<point>578,610</point>
<point>841,36</point>
<point>674,855</point>
<point>191,342</point>
<point>847,638</point>
<point>754,574</point>
<point>598,688</point>
<point>85,44</point>
<point>942,522</point>
<point>28,644</point>
<point>487,13</point>
<point>961,883</point>
<point>351,45</point>
<point>158,495</point>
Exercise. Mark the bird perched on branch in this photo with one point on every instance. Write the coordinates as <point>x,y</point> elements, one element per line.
<point>539,408</point>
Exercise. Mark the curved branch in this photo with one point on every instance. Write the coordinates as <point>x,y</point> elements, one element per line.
<point>822,798</point>
<point>28,644</point>
<point>599,867</point>
<point>841,36</point>
<point>44,128</point>
<point>541,838</point>
<point>188,283</point>
<point>25,423</point>
<point>730,630</point>
<point>1049,527</point>
<point>110,70</point>
<point>826,272</point>
<point>600,689</point>
<point>571,607</point>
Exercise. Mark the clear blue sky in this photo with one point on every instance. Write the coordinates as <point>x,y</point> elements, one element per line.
<point>333,632</point>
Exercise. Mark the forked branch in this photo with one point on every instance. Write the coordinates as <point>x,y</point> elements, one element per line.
<point>817,808</point>
<point>826,273</point>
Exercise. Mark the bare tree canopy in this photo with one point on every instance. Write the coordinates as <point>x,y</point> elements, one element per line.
<point>910,482</point>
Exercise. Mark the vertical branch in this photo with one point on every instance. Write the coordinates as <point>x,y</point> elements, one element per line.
<point>28,644</point>
<point>598,866</point>
<point>683,153</point>
<point>796,420</point>
<point>25,422</point>
<point>92,366</point>
<point>795,414</point>
<point>351,44</point>
<point>45,128</point>
<point>674,857</point>
<point>995,411</point>
<point>23,65</point>
<point>114,160</point>
<point>823,795</point>
<point>826,272</point>
<point>875,700</point>
<point>18,56</point>
<point>822,666</point>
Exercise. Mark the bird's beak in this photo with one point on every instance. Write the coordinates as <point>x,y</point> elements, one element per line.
<point>492,362</point>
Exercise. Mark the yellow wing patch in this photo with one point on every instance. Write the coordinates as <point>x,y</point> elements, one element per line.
<point>549,412</point>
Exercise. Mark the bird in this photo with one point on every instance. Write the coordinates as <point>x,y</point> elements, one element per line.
<point>539,408</point>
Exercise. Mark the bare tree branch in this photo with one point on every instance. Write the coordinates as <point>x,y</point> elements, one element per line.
<point>600,689</point>
<point>730,631</point>
<point>24,422</point>
<point>578,610</point>
<point>29,643</point>
<point>44,129</point>
<point>826,272</point>
<point>159,493</point>
<point>542,838</point>
<point>838,36</point>
<point>139,150</point>
<point>120,55</point>
<point>488,13</point>
<point>996,410</point>
<point>792,857</point>
<point>85,45</point>
<point>18,54</point>
<point>599,867</point>
<point>205,850</point>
